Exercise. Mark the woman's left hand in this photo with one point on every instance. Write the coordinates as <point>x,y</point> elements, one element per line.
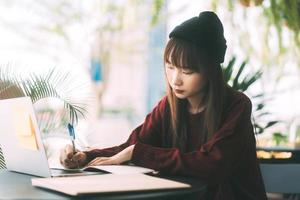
<point>117,159</point>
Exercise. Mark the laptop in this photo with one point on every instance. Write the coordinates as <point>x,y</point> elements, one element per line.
<point>21,141</point>
<point>24,152</point>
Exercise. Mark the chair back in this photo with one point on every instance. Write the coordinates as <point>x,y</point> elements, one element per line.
<point>281,177</point>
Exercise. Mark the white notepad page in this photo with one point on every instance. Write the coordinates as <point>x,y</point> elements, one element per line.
<point>121,169</point>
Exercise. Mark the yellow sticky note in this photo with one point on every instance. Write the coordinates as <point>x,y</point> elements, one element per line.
<point>24,128</point>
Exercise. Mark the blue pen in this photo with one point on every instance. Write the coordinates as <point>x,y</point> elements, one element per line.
<point>72,135</point>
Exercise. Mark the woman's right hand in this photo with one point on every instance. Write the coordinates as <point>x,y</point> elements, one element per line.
<point>72,160</point>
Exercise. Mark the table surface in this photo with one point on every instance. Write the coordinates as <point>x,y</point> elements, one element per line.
<point>295,155</point>
<point>279,149</point>
<point>15,185</point>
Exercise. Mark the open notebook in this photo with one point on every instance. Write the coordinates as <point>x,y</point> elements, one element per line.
<point>103,169</point>
<point>120,169</point>
<point>106,183</point>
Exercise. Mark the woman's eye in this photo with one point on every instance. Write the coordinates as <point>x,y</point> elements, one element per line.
<point>188,72</point>
<point>170,66</point>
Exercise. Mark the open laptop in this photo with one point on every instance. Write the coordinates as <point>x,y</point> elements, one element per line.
<point>21,141</point>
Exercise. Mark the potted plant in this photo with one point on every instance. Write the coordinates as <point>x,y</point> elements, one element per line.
<point>241,81</point>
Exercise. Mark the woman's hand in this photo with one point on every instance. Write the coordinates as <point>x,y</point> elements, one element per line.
<point>72,160</point>
<point>117,159</point>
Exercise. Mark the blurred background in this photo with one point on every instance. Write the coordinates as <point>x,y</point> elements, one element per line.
<point>112,52</point>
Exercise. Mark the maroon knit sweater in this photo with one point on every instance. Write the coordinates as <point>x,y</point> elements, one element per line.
<point>226,162</point>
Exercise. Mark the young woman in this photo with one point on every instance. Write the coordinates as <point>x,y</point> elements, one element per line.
<point>201,128</point>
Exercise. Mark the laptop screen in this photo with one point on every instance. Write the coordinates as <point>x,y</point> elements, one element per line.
<point>20,139</point>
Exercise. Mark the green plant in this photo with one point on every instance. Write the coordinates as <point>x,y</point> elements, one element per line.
<point>241,81</point>
<point>279,138</point>
<point>278,30</point>
<point>279,13</point>
<point>54,84</point>
<point>284,13</point>
<point>235,80</point>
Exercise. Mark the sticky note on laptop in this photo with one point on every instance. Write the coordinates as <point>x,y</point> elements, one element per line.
<point>24,128</point>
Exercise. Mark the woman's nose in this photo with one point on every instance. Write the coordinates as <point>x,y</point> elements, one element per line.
<point>176,79</point>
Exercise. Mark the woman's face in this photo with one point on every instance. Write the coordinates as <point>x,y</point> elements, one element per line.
<point>184,82</point>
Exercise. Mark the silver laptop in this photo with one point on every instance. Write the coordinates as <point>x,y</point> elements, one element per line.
<point>21,141</point>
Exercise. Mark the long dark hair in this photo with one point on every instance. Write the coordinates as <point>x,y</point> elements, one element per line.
<point>187,55</point>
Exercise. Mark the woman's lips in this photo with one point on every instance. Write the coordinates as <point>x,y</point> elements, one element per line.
<point>178,91</point>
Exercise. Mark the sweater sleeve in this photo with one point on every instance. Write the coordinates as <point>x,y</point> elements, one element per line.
<point>215,160</point>
<point>146,133</point>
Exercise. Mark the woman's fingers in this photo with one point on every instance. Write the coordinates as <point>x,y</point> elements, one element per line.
<point>68,163</point>
<point>69,151</point>
<point>80,158</point>
<point>70,160</point>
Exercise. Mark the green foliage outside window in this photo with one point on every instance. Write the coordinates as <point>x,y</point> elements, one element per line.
<point>241,81</point>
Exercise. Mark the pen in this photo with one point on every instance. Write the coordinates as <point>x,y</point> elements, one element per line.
<point>72,135</point>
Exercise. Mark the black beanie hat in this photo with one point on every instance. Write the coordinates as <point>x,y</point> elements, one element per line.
<point>206,31</point>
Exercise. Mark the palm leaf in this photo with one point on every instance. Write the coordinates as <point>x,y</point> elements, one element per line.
<point>227,71</point>
<point>236,78</point>
<point>259,106</point>
<point>249,80</point>
<point>53,84</point>
<point>271,123</point>
<point>9,87</point>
